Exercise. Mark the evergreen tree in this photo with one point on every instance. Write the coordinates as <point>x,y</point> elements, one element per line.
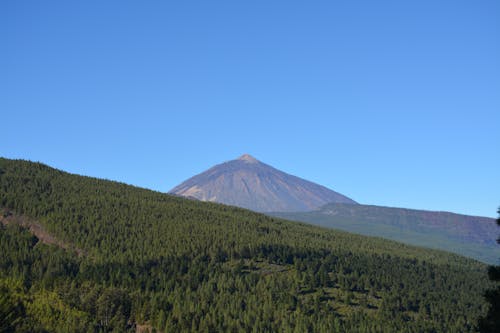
<point>11,310</point>
<point>491,322</point>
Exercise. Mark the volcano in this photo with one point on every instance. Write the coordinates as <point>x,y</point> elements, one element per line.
<point>246,182</point>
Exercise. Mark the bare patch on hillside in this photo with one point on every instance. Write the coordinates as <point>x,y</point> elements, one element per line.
<point>8,217</point>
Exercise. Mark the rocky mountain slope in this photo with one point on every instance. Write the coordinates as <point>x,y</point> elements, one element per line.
<point>249,183</point>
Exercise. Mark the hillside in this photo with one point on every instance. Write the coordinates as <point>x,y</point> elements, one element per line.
<point>249,183</point>
<point>134,258</point>
<point>471,236</point>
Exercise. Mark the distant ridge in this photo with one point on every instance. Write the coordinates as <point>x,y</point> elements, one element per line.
<point>246,182</point>
<point>471,236</point>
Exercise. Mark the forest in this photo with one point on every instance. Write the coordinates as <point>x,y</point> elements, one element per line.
<point>124,258</point>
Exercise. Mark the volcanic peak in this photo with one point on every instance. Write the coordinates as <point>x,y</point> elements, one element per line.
<point>248,158</point>
<point>249,183</point>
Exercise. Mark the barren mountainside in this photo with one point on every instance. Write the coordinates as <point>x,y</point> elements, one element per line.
<point>249,183</point>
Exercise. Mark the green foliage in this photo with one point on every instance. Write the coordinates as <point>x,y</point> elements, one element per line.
<point>185,266</point>
<point>469,236</point>
<point>491,322</point>
<point>54,315</point>
<point>11,307</point>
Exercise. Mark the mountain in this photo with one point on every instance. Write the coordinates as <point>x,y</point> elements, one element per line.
<point>471,236</point>
<point>80,254</point>
<point>249,183</point>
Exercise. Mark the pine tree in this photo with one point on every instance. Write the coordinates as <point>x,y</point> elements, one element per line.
<point>491,323</point>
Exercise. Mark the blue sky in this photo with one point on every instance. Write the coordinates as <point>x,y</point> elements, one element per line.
<point>392,103</point>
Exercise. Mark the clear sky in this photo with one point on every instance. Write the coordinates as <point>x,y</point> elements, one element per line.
<point>392,103</point>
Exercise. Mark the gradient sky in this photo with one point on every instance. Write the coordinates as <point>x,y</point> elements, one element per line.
<point>392,103</point>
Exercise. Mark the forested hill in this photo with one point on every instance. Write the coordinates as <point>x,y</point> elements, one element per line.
<point>470,236</point>
<point>149,260</point>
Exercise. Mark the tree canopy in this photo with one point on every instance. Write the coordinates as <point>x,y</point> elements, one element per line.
<point>491,322</point>
<point>128,257</point>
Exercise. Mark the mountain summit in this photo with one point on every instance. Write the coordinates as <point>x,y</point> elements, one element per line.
<point>246,182</point>
<point>248,158</point>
